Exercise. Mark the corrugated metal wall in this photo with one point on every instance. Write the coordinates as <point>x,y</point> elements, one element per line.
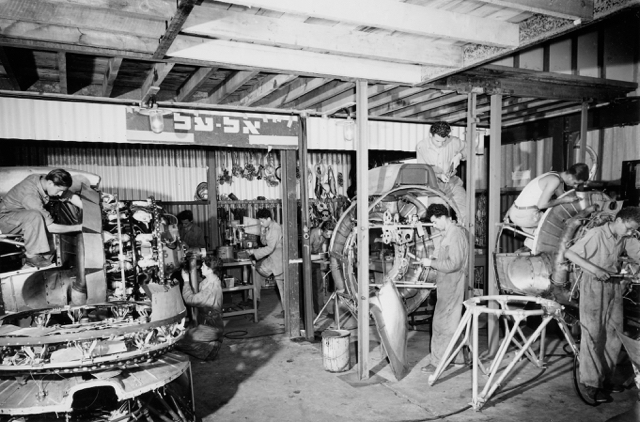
<point>61,121</point>
<point>614,145</point>
<point>328,134</point>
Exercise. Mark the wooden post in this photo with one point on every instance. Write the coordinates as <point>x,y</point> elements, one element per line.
<point>212,189</point>
<point>306,244</point>
<point>362,159</point>
<point>471,189</point>
<point>291,299</point>
<point>493,216</point>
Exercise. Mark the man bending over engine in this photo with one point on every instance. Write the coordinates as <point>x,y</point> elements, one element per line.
<point>450,264</point>
<point>529,206</point>
<point>22,212</point>
<point>597,254</point>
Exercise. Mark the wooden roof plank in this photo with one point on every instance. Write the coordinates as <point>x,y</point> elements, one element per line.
<point>151,85</point>
<point>149,9</point>
<point>195,81</point>
<point>215,23</point>
<point>327,91</point>
<point>418,110</point>
<point>280,60</point>
<point>291,92</point>
<point>230,85</point>
<point>348,99</point>
<point>403,17</point>
<point>62,72</point>
<point>566,9</point>
<point>110,75</point>
<point>175,25</point>
<point>266,86</point>
<point>9,70</point>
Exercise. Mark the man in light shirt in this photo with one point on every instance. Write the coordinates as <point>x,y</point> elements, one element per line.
<point>444,153</point>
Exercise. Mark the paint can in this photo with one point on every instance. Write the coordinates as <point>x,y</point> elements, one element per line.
<point>336,355</point>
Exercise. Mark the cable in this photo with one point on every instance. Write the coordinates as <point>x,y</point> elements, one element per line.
<point>240,337</point>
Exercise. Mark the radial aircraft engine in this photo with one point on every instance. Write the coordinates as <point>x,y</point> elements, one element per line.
<point>399,195</point>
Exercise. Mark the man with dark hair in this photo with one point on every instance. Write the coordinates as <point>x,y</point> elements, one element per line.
<point>597,253</point>
<point>450,263</point>
<point>528,207</point>
<point>22,211</point>
<point>319,239</point>
<point>270,255</point>
<point>190,233</point>
<point>444,153</point>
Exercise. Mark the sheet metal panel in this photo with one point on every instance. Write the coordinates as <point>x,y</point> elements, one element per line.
<point>63,121</point>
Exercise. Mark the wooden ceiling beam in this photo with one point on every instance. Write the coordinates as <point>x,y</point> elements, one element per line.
<point>110,75</point>
<point>148,9</point>
<point>151,85</point>
<point>543,115</point>
<point>194,82</point>
<point>230,85</point>
<point>78,18</point>
<point>175,25</point>
<point>61,59</point>
<point>266,86</point>
<point>244,27</point>
<point>395,94</point>
<point>397,16</point>
<point>291,92</point>
<point>281,60</point>
<point>9,70</point>
<point>56,35</point>
<point>566,9</point>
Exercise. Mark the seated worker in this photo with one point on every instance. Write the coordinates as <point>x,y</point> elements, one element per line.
<point>528,207</point>
<point>443,153</point>
<point>269,256</point>
<point>319,240</point>
<point>190,234</point>
<point>450,264</point>
<point>205,339</point>
<point>597,253</point>
<point>23,212</point>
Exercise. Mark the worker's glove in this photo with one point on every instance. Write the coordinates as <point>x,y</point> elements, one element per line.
<point>185,276</point>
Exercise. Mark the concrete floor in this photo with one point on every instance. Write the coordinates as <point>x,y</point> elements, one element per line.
<point>263,376</point>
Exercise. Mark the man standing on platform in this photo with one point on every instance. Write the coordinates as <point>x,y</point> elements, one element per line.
<point>450,263</point>
<point>444,153</point>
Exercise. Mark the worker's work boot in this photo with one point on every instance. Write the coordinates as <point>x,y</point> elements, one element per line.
<point>78,298</point>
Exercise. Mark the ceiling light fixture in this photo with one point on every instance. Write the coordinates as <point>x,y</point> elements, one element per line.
<point>156,115</point>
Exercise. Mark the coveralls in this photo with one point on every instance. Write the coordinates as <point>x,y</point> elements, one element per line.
<point>204,341</point>
<point>451,264</point>
<point>601,304</point>
<point>427,152</point>
<point>22,212</point>
<point>271,256</point>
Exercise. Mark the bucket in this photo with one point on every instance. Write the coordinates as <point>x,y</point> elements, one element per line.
<point>336,356</point>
